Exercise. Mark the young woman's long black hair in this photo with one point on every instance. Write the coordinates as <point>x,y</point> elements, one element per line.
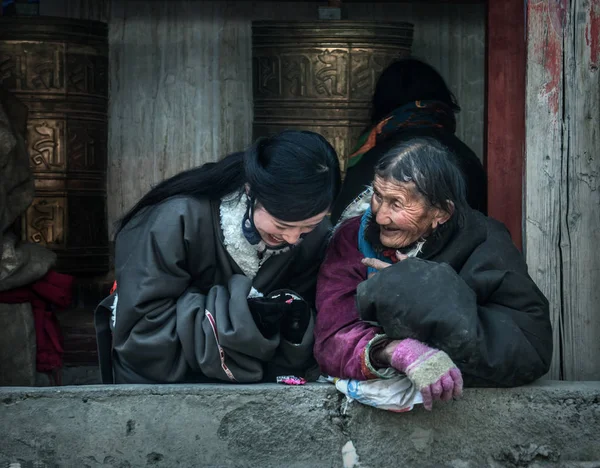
<point>407,80</point>
<point>294,175</point>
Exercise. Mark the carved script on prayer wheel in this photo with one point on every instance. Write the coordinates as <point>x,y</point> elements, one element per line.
<point>59,69</point>
<point>321,75</point>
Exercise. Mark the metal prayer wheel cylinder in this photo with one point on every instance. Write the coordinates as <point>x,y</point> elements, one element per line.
<point>321,75</point>
<point>59,69</point>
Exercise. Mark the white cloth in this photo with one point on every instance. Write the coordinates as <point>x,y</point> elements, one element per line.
<point>394,393</point>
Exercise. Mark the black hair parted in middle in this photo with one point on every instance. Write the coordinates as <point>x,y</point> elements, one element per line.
<point>294,175</point>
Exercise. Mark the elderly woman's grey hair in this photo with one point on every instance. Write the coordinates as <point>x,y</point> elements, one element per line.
<point>432,168</point>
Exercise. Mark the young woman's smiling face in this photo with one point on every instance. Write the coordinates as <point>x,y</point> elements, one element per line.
<point>275,232</point>
<point>402,213</point>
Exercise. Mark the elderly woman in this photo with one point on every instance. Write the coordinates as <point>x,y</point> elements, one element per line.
<point>428,286</point>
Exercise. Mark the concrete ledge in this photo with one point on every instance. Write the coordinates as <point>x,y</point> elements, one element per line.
<point>547,424</point>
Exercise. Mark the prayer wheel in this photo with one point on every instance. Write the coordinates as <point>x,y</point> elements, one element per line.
<point>321,75</point>
<point>59,69</point>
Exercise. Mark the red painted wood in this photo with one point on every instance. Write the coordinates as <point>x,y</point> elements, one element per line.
<point>505,121</point>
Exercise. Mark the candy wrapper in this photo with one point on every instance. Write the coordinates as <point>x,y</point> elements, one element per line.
<point>290,380</point>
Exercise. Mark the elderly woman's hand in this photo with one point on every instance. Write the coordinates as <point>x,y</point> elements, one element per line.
<point>431,370</point>
<point>379,264</point>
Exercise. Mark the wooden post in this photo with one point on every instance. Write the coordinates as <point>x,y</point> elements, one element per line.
<point>544,160</point>
<point>562,201</point>
<point>580,195</point>
<point>505,124</point>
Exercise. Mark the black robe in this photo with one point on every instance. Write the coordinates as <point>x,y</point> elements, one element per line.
<point>469,294</point>
<point>181,311</point>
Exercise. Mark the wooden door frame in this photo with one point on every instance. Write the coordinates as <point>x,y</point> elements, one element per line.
<point>506,58</point>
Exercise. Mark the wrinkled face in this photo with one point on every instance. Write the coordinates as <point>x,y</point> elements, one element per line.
<point>275,232</point>
<point>402,213</point>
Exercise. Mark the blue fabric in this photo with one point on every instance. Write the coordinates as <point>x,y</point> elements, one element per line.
<point>365,247</point>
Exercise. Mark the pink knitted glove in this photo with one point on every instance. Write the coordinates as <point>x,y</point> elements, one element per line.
<point>430,369</point>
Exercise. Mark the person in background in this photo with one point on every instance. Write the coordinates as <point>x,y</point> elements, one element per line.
<point>411,99</point>
<point>428,286</point>
<point>216,268</point>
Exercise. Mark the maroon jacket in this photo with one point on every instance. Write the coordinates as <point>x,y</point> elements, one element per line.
<point>342,339</point>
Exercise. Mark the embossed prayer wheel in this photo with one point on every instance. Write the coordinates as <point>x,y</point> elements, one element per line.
<point>321,75</point>
<point>59,69</point>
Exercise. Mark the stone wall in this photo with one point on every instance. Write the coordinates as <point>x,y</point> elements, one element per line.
<point>548,424</point>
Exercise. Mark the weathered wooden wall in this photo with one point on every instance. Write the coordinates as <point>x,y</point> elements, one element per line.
<point>580,228</point>
<point>181,91</point>
<point>181,95</point>
<point>180,76</point>
<point>562,197</point>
